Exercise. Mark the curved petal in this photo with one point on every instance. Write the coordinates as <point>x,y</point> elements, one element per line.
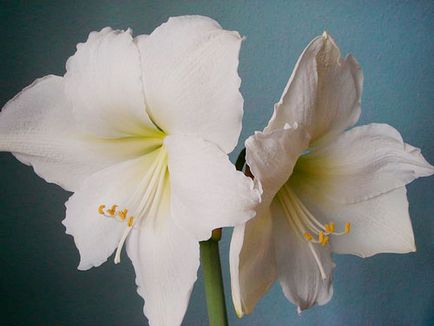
<point>378,225</point>
<point>166,260</point>
<point>298,263</point>
<point>134,185</point>
<point>252,264</point>
<point>37,126</point>
<point>191,81</point>
<point>323,92</point>
<point>103,83</point>
<point>362,163</point>
<point>207,191</point>
<point>271,156</point>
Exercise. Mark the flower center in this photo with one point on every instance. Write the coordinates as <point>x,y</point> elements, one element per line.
<point>306,225</point>
<point>145,201</point>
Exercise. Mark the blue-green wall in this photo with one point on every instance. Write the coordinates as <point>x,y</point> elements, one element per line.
<point>392,40</point>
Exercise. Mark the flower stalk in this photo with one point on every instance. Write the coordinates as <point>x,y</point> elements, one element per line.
<point>214,290</point>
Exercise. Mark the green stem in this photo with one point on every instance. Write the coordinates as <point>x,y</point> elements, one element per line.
<point>212,271</point>
<point>214,290</point>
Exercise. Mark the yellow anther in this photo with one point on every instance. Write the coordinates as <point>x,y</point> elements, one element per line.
<point>325,241</point>
<point>101,209</point>
<point>130,221</point>
<point>330,228</point>
<point>347,227</point>
<point>112,210</point>
<point>308,236</point>
<point>321,237</point>
<point>123,214</point>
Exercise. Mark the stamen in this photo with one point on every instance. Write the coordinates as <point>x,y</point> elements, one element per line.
<point>346,231</point>
<point>330,228</point>
<point>309,219</point>
<point>130,221</point>
<point>321,237</point>
<point>306,225</point>
<point>308,236</point>
<point>325,241</point>
<point>121,244</point>
<point>112,211</point>
<point>124,237</point>
<point>318,261</point>
<point>303,219</point>
<point>144,203</point>
<point>123,214</point>
<point>101,209</point>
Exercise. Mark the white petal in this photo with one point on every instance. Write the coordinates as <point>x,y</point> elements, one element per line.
<point>252,263</point>
<point>165,260</point>
<point>207,191</point>
<point>323,92</point>
<point>298,270</point>
<point>37,126</point>
<point>360,164</point>
<point>103,83</point>
<point>126,185</point>
<point>191,81</point>
<point>271,156</point>
<point>378,225</point>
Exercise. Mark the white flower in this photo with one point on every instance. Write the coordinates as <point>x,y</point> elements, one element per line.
<point>139,129</point>
<point>324,189</point>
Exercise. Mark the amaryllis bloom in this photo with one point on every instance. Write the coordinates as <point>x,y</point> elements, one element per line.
<point>325,189</point>
<point>139,129</point>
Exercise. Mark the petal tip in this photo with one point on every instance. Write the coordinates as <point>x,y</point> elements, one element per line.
<point>239,312</point>
<point>83,266</point>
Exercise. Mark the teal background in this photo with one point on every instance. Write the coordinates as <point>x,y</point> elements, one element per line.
<point>392,40</point>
